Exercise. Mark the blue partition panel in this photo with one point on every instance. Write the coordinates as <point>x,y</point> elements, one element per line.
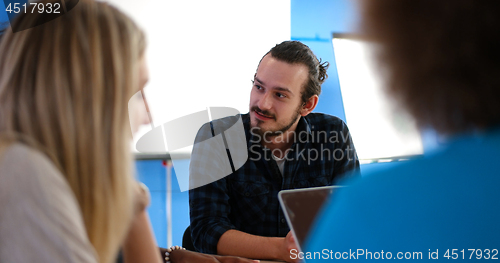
<point>153,173</point>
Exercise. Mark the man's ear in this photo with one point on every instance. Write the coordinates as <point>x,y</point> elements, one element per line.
<point>309,105</point>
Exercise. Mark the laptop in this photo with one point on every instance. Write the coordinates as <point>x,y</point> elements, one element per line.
<point>301,206</point>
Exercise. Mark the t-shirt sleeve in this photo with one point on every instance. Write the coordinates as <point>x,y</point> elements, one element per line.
<point>40,219</point>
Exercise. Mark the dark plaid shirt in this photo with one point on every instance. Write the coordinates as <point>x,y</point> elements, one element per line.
<point>247,199</point>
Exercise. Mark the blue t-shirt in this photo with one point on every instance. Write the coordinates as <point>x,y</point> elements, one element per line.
<point>444,206</point>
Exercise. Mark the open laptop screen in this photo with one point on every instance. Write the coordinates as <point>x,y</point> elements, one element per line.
<point>301,207</point>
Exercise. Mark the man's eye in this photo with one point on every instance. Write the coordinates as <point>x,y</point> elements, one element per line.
<point>279,95</point>
<point>258,87</point>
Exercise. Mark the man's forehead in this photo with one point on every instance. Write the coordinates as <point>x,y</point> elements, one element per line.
<point>277,73</point>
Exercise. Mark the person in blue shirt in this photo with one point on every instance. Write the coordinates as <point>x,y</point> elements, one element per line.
<point>288,147</point>
<point>442,61</point>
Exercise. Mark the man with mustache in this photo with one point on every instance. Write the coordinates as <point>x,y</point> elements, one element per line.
<point>288,147</point>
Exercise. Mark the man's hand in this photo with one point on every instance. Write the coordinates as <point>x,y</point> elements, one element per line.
<point>237,243</point>
<point>289,244</point>
<point>186,256</point>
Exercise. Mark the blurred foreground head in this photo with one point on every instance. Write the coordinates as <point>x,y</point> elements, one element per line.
<point>64,88</point>
<point>441,59</point>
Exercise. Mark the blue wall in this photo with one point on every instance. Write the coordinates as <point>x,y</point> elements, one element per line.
<point>4,18</point>
<point>313,22</point>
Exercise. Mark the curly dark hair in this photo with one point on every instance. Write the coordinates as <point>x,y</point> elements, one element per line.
<point>296,52</point>
<point>442,58</point>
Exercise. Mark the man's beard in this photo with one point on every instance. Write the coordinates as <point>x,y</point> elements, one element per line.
<point>280,129</point>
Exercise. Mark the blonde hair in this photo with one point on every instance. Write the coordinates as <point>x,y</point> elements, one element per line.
<point>65,86</point>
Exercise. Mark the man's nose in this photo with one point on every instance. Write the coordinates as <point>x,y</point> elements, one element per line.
<point>265,102</point>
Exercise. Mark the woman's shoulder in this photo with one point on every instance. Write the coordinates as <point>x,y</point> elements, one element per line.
<point>25,171</point>
<point>23,161</point>
<point>44,219</point>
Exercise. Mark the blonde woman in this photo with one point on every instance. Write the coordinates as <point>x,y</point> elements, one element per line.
<point>67,192</point>
<point>66,167</point>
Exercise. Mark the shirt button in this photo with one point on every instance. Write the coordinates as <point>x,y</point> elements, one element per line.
<point>247,194</point>
<point>283,221</point>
